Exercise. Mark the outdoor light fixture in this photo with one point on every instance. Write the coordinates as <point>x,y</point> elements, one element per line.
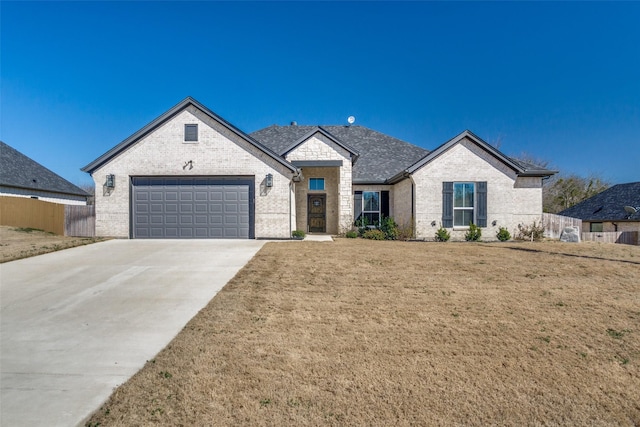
<point>268,180</point>
<point>495,222</point>
<point>111,181</point>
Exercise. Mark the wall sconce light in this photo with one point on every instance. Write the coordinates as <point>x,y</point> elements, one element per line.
<point>111,181</point>
<point>495,221</point>
<point>189,164</point>
<point>433,223</point>
<point>268,180</point>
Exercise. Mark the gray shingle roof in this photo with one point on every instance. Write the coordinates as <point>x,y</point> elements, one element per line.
<point>381,156</point>
<point>608,205</point>
<point>18,170</point>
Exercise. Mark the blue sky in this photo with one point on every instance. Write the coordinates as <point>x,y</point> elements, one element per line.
<point>559,81</point>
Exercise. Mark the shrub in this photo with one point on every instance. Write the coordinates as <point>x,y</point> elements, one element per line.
<point>298,233</point>
<point>363,225</point>
<point>406,232</point>
<point>442,235</point>
<point>473,234</point>
<point>351,234</point>
<point>531,232</point>
<point>389,227</point>
<point>503,234</point>
<point>374,234</point>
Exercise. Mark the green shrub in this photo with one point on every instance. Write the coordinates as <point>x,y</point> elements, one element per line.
<point>503,234</point>
<point>442,235</point>
<point>298,233</point>
<point>473,234</point>
<point>374,234</point>
<point>351,234</point>
<point>389,227</point>
<point>531,232</point>
<point>363,225</point>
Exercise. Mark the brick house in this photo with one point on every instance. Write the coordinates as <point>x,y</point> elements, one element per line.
<point>191,174</point>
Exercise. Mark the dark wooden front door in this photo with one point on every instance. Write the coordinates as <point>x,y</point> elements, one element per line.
<point>317,212</point>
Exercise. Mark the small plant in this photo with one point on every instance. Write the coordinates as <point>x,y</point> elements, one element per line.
<point>363,225</point>
<point>389,227</point>
<point>531,232</point>
<point>442,235</point>
<point>617,334</point>
<point>503,234</point>
<point>165,374</point>
<point>264,402</point>
<point>351,234</point>
<point>298,234</point>
<point>374,234</point>
<point>473,234</point>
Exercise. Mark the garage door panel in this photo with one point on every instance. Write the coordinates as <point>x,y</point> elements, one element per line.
<point>192,207</point>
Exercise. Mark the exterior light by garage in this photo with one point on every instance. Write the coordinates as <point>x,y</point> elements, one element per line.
<point>269,180</point>
<point>111,181</point>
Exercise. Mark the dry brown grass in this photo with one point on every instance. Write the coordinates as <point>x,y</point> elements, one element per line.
<point>17,243</point>
<point>395,334</point>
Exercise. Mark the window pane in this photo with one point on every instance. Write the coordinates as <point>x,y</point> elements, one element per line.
<point>372,218</point>
<point>371,200</point>
<point>463,195</point>
<point>595,227</point>
<point>316,183</point>
<point>462,217</point>
<point>468,195</point>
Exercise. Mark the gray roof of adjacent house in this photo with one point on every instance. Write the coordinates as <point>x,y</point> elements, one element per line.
<point>609,205</point>
<point>19,171</point>
<point>379,158</point>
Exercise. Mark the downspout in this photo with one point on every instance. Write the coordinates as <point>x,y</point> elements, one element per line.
<point>290,212</point>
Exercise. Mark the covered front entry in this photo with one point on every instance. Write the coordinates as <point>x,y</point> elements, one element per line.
<point>192,207</point>
<point>317,213</point>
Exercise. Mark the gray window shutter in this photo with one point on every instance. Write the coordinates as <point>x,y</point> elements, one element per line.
<point>357,205</point>
<point>481,194</point>
<point>384,203</point>
<point>447,204</point>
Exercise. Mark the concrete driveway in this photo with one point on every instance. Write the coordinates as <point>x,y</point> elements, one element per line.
<point>75,324</point>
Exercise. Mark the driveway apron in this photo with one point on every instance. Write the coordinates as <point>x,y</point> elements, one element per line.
<point>77,323</point>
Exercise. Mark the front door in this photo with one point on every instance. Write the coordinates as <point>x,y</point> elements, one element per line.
<point>316,213</point>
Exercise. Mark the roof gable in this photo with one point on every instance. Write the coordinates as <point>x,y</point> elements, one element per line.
<point>519,168</point>
<point>319,130</point>
<point>153,125</point>
<point>20,171</point>
<point>609,204</point>
<point>380,156</point>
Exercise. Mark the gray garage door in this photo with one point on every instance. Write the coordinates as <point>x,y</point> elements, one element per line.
<point>192,207</point>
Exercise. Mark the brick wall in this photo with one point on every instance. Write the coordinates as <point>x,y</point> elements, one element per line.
<point>218,152</point>
<point>510,200</point>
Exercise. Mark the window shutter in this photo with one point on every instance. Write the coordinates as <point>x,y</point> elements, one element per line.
<point>384,203</point>
<point>481,194</point>
<point>447,204</point>
<point>357,205</point>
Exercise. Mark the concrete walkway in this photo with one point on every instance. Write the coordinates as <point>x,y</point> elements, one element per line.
<point>75,324</point>
<point>318,238</point>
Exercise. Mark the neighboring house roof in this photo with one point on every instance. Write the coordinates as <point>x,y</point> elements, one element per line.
<point>608,205</point>
<point>20,171</point>
<point>380,156</point>
<point>115,151</point>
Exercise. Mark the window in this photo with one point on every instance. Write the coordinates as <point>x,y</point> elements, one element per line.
<point>463,202</point>
<point>371,206</point>
<point>316,183</point>
<point>595,227</point>
<point>191,133</point>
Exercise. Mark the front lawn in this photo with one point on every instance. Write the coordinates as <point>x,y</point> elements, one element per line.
<point>386,333</point>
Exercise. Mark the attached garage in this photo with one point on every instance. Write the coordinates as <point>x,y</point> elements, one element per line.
<point>192,207</point>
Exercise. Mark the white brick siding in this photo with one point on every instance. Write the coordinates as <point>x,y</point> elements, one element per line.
<point>218,152</point>
<point>510,200</point>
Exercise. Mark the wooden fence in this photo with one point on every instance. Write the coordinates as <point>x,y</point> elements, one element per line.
<point>624,237</point>
<point>32,213</point>
<point>80,220</point>
<point>67,220</point>
<point>554,224</point>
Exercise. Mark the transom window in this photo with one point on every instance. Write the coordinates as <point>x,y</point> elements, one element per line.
<point>316,183</point>
<point>371,206</point>
<point>191,133</point>
<point>463,203</point>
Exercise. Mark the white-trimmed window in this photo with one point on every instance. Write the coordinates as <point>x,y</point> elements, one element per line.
<point>191,133</point>
<point>463,203</point>
<point>316,184</point>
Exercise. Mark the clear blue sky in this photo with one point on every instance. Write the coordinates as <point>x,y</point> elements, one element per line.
<point>560,81</point>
